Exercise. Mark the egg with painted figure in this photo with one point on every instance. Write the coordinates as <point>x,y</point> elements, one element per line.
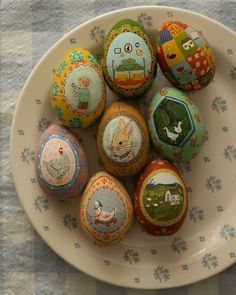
<point>176,125</point>
<point>129,59</point>
<point>106,211</point>
<point>78,90</point>
<point>161,199</point>
<point>185,56</point>
<point>122,140</point>
<point>60,163</point>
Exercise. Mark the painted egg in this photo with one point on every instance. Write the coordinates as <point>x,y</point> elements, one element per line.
<point>78,90</point>
<point>161,200</point>
<point>123,140</point>
<point>184,56</point>
<point>106,212</point>
<point>129,59</point>
<point>60,163</point>
<point>176,126</point>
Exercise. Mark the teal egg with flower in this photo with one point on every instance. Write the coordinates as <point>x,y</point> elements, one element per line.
<point>176,125</point>
<point>78,90</point>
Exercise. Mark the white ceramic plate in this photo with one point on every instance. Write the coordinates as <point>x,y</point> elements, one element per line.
<point>206,244</point>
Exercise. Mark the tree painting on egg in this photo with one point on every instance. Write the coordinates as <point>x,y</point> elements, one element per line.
<point>129,60</point>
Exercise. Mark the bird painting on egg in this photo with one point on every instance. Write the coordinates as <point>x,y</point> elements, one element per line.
<point>58,167</point>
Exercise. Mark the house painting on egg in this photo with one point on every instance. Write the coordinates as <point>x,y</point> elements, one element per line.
<point>172,196</point>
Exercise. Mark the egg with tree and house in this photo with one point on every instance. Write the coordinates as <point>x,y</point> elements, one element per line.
<point>161,200</point>
<point>129,59</point>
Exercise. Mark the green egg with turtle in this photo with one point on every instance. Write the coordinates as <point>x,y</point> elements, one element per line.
<point>129,59</point>
<point>176,125</point>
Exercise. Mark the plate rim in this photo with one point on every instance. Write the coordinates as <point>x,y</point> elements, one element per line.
<point>13,128</point>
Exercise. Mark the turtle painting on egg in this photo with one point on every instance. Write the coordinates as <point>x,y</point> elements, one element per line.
<point>129,61</point>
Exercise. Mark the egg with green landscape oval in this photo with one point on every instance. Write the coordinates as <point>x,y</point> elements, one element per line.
<point>176,125</point>
<point>161,200</point>
<point>78,90</point>
<point>129,59</point>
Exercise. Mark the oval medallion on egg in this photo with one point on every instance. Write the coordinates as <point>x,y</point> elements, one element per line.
<point>184,56</point>
<point>106,212</point>
<point>129,59</point>
<point>123,140</point>
<point>60,163</point>
<point>161,200</point>
<point>175,124</point>
<point>78,91</point>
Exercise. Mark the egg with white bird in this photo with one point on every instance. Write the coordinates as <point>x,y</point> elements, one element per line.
<point>61,163</point>
<point>176,125</point>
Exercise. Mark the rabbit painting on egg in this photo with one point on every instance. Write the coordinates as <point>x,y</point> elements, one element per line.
<point>120,139</point>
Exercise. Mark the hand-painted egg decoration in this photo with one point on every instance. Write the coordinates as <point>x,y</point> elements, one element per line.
<point>123,140</point>
<point>106,211</point>
<point>175,124</point>
<point>184,56</point>
<point>78,90</point>
<point>161,200</point>
<point>129,59</point>
<point>60,163</point>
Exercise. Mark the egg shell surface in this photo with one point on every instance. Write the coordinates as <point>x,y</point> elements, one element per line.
<point>106,211</point>
<point>78,90</point>
<point>60,163</point>
<point>175,124</point>
<point>129,59</point>
<point>161,200</point>
<point>185,56</point>
<point>122,140</point>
